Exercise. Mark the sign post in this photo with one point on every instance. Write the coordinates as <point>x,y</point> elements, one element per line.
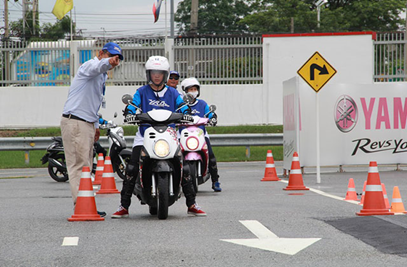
<point>317,72</point>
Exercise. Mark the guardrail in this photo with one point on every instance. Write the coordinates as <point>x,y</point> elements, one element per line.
<point>41,143</point>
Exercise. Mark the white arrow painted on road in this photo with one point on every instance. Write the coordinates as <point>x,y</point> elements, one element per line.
<point>267,240</point>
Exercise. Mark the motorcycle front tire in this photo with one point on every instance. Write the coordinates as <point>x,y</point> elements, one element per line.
<point>121,169</point>
<point>57,175</point>
<point>193,172</point>
<point>163,195</point>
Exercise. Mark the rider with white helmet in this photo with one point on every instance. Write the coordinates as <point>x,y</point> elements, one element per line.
<point>199,107</point>
<point>154,95</point>
<point>157,71</point>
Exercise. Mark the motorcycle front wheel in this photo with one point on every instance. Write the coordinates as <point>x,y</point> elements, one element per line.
<point>163,195</point>
<point>121,168</point>
<point>57,175</point>
<point>193,171</point>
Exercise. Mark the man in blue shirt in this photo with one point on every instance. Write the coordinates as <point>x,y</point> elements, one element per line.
<point>80,119</point>
<point>154,95</point>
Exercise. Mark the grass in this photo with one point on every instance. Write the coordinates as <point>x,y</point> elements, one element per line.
<point>16,159</point>
<point>131,130</point>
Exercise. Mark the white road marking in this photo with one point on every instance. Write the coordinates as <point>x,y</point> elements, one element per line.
<point>322,193</point>
<point>267,240</point>
<point>70,241</point>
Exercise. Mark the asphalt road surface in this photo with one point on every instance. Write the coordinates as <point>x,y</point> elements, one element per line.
<point>250,223</point>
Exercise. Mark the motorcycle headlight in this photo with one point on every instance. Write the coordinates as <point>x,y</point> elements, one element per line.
<point>161,148</point>
<point>192,143</point>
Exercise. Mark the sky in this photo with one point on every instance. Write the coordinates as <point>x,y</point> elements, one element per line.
<point>102,18</point>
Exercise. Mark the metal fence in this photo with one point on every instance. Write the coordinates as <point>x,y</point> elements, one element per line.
<point>213,60</point>
<point>220,60</point>
<point>390,57</point>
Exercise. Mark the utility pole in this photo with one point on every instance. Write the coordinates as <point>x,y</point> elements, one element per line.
<point>192,33</point>
<point>26,9</point>
<point>194,17</point>
<point>35,8</point>
<point>405,48</point>
<point>172,19</point>
<point>24,18</point>
<point>6,19</point>
<point>6,35</point>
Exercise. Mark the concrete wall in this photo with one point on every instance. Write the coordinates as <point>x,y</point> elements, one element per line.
<point>23,107</point>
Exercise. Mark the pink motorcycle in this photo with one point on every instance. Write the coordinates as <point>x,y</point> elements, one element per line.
<point>195,150</point>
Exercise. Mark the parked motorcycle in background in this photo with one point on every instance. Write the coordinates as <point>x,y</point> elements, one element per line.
<point>160,166</point>
<point>119,154</point>
<point>55,157</point>
<point>195,149</point>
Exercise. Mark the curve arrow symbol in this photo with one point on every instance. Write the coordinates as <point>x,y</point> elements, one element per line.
<point>322,70</point>
<point>267,240</point>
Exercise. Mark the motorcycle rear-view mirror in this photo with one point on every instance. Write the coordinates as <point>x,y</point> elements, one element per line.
<point>126,99</point>
<point>188,99</point>
<point>212,108</point>
<point>115,115</point>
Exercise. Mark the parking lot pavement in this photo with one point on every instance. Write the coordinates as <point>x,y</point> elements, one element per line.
<point>35,209</point>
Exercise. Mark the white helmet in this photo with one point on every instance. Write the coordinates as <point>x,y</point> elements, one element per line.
<point>157,63</point>
<point>189,82</point>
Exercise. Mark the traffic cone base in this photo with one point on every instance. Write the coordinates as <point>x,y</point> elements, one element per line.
<point>374,203</point>
<point>108,183</point>
<point>295,181</point>
<point>270,173</point>
<point>371,212</point>
<point>85,208</point>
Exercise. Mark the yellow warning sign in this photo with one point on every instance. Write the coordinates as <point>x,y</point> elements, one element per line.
<point>316,71</point>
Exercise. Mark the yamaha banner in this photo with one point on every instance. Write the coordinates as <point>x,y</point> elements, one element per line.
<point>359,123</point>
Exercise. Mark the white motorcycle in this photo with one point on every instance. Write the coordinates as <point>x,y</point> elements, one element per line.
<point>161,161</point>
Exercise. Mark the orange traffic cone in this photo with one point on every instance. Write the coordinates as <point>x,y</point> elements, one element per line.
<point>295,181</point>
<point>386,199</point>
<point>270,173</point>
<point>397,205</point>
<point>85,208</point>
<point>99,170</point>
<point>363,194</point>
<point>374,201</point>
<point>108,184</point>
<point>351,193</point>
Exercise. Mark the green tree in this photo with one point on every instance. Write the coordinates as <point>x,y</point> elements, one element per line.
<point>214,16</point>
<point>336,15</point>
<point>58,30</point>
<point>17,28</point>
<point>46,32</point>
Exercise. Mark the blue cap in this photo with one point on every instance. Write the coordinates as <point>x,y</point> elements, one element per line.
<point>113,49</point>
<point>174,72</point>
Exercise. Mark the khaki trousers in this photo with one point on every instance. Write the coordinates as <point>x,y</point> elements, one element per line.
<point>78,138</point>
